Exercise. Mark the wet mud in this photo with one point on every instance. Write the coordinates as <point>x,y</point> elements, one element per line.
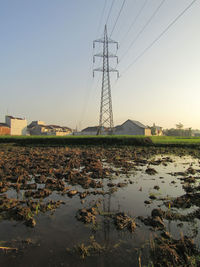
<point>140,203</point>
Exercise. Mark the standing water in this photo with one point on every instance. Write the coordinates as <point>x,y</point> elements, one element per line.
<point>96,206</point>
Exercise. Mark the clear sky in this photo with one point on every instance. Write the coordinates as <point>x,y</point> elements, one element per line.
<point>46,62</point>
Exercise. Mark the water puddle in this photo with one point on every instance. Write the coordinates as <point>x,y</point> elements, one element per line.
<point>95,206</point>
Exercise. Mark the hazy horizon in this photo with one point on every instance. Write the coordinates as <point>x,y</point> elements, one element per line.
<point>46,62</point>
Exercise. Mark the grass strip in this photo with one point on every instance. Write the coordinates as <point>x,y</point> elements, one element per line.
<point>166,141</point>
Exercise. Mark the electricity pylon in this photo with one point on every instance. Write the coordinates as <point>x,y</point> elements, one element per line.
<point>106,113</point>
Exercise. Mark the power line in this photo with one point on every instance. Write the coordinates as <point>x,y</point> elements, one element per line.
<point>122,6</point>
<point>89,84</point>
<point>110,12</point>
<point>88,87</point>
<point>160,35</point>
<point>143,28</point>
<point>92,83</point>
<point>134,21</point>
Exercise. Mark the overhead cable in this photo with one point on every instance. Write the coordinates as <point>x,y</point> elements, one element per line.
<point>109,11</point>
<point>134,21</point>
<point>120,11</point>
<point>89,83</point>
<point>143,28</point>
<point>160,35</point>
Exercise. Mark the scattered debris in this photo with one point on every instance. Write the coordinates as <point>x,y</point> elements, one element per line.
<point>123,221</point>
<point>87,215</point>
<point>92,249</point>
<point>166,251</point>
<point>37,177</point>
<point>151,171</point>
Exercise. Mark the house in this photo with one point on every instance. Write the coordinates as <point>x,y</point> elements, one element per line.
<point>90,130</point>
<point>131,127</point>
<point>58,130</point>
<point>4,129</point>
<point>94,130</point>
<point>40,128</point>
<point>18,126</point>
<point>156,130</point>
<point>159,130</point>
<point>34,123</point>
<point>36,128</point>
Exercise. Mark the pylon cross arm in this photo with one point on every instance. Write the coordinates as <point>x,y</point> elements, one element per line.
<point>106,115</point>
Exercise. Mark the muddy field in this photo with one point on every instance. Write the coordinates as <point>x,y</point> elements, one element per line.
<point>95,206</point>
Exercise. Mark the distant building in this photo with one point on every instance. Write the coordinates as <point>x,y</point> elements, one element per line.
<point>131,127</point>
<point>58,130</point>
<point>93,131</point>
<point>90,130</point>
<point>39,128</point>
<point>156,130</point>
<point>18,126</point>
<point>196,133</point>
<point>159,130</point>
<point>4,129</point>
<point>36,128</point>
<point>34,123</point>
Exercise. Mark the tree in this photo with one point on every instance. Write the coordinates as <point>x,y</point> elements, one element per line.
<point>190,131</point>
<point>179,128</point>
<point>153,129</point>
<point>179,131</point>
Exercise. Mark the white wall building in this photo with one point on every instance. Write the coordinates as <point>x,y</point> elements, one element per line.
<point>131,127</point>
<point>18,126</point>
<point>89,131</point>
<point>93,131</point>
<point>40,128</point>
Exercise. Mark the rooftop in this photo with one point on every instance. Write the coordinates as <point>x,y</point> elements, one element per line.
<point>158,127</point>
<point>138,124</point>
<point>52,127</point>
<point>15,118</point>
<point>4,124</point>
<point>92,128</point>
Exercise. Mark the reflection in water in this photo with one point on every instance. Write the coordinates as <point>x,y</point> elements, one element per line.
<point>106,223</point>
<point>64,230</point>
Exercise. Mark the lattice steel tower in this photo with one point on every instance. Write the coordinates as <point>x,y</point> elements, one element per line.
<point>106,114</point>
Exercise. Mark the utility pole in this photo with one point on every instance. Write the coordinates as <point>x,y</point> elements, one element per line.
<point>106,113</point>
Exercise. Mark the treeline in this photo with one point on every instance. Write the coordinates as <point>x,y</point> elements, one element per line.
<point>178,132</point>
